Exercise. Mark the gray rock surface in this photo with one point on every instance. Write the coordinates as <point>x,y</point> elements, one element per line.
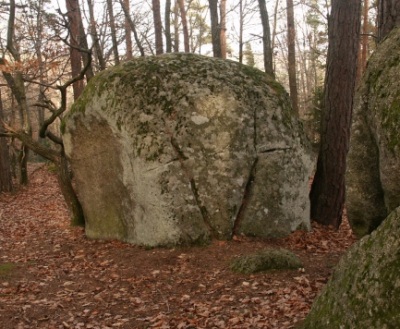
<point>181,148</point>
<point>364,291</point>
<point>373,175</point>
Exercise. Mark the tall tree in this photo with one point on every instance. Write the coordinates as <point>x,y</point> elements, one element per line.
<point>113,29</point>
<point>75,34</point>
<point>132,26</point>
<point>176,27</point>
<point>215,28</point>
<point>222,12</point>
<point>182,10</point>
<point>158,26</point>
<point>5,165</point>
<point>291,32</point>
<point>327,194</point>
<point>364,39</point>
<point>16,83</point>
<point>388,17</point>
<point>168,37</point>
<point>268,65</point>
<point>128,34</point>
<point>95,37</point>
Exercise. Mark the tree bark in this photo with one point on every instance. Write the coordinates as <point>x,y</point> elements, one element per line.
<point>168,38</point>
<point>268,66</point>
<point>292,57</point>
<point>5,163</point>
<point>222,11</point>
<point>176,27</point>
<point>241,28</point>
<point>133,28</point>
<point>182,10</point>
<point>327,194</point>
<point>93,31</point>
<point>388,17</point>
<point>364,40</point>
<point>128,34</point>
<point>75,56</point>
<point>215,28</point>
<point>17,85</point>
<point>113,31</point>
<point>158,26</point>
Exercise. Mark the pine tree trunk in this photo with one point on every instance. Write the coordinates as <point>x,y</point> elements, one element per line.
<point>128,34</point>
<point>158,26</point>
<point>215,28</point>
<point>95,37</point>
<point>113,31</point>
<point>5,163</point>
<point>268,66</point>
<point>388,17</point>
<point>68,192</point>
<point>292,57</point>
<point>182,9</point>
<point>75,56</point>
<point>168,38</point>
<point>328,189</point>
<point>222,10</point>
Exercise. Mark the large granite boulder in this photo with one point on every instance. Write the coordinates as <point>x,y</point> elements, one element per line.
<point>364,291</point>
<point>181,148</point>
<point>373,175</point>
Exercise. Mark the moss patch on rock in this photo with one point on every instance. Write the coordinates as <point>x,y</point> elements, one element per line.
<point>6,269</point>
<point>269,259</point>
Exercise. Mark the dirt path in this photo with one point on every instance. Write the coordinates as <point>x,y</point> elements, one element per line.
<point>51,276</point>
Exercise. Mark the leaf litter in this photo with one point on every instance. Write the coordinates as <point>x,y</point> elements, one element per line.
<point>57,278</point>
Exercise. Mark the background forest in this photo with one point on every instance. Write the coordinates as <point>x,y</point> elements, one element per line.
<point>48,42</point>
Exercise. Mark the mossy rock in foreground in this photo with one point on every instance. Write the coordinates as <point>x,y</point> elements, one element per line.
<point>270,259</point>
<point>364,291</point>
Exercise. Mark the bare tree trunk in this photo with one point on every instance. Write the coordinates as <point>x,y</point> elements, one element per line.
<point>133,28</point>
<point>158,26</point>
<point>95,37</point>
<point>268,66</point>
<point>274,25</point>
<point>363,51</point>
<point>113,31</point>
<point>328,189</point>
<point>215,28</point>
<point>292,57</point>
<point>182,10</point>
<point>75,56</point>
<point>241,23</point>
<point>128,34</point>
<point>176,27</point>
<point>5,163</point>
<point>388,17</point>
<point>222,11</point>
<point>17,86</point>
<point>168,38</point>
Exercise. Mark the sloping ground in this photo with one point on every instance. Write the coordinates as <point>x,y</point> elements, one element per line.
<point>51,276</point>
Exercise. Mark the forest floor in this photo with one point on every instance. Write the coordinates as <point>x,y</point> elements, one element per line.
<point>52,276</point>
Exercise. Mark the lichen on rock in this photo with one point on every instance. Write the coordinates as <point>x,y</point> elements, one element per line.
<point>195,147</point>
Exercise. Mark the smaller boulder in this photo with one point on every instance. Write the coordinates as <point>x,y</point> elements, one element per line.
<point>269,259</point>
<point>364,291</point>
